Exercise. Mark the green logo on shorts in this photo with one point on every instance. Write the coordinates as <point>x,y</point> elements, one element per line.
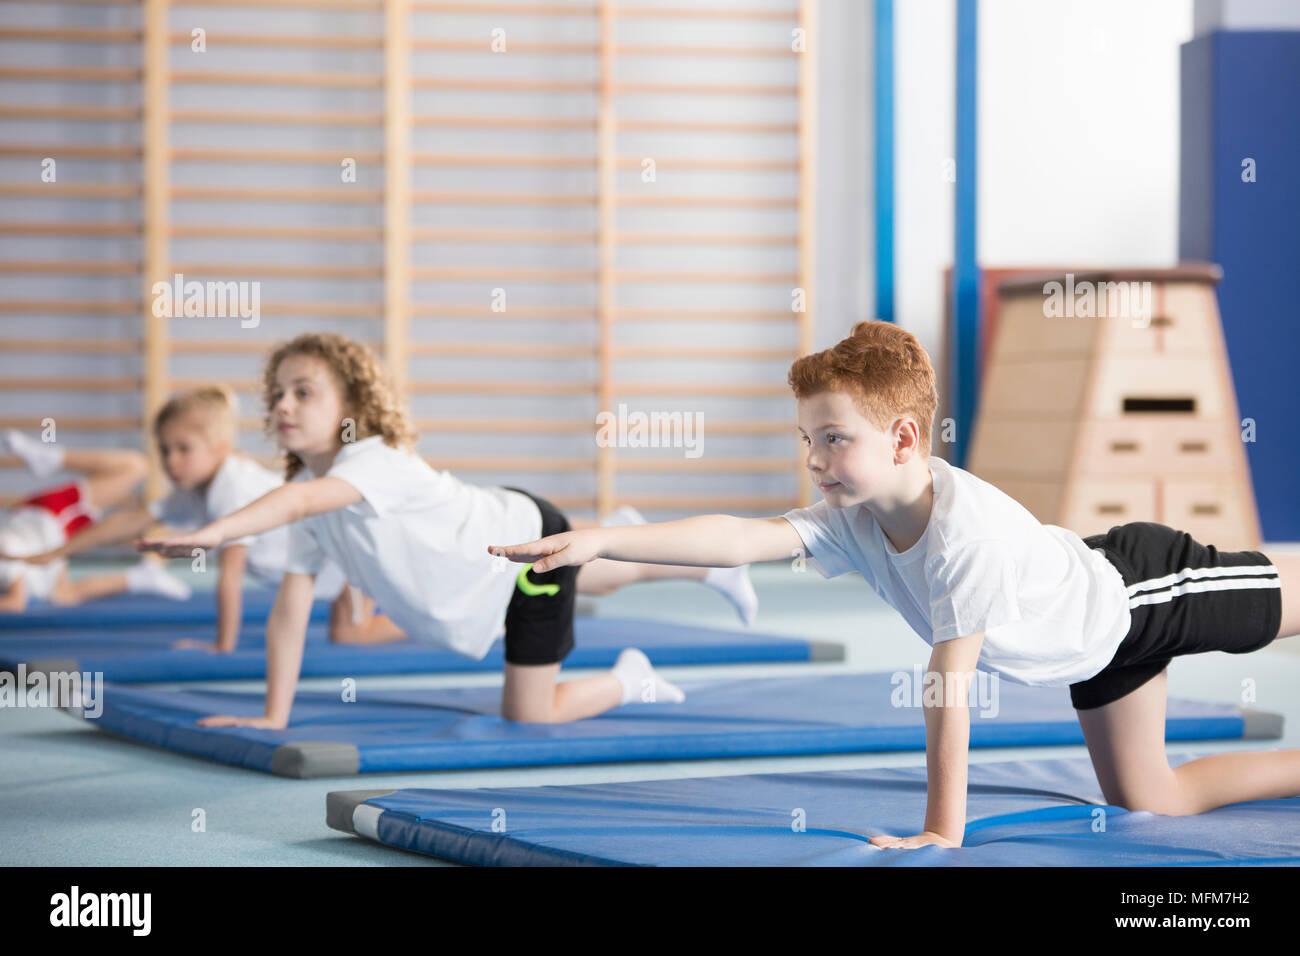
<point>531,589</point>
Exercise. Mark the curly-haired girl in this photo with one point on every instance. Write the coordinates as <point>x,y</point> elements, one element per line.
<point>415,539</point>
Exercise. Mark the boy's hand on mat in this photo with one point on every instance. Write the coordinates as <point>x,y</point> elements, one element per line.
<point>553,551</point>
<point>226,720</point>
<point>911,843</point>
<point>182,546</point>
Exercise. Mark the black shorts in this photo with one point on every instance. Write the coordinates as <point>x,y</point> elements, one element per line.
<point>539,618</point>
<point>1184,598</point>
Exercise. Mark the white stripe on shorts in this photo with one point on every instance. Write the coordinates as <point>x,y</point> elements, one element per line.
<point>1194,580</point>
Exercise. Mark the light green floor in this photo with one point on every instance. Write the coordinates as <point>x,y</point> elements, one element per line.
<point>71,795</point>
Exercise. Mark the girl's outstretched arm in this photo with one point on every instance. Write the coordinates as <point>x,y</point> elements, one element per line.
<point>290,502</point>
<point>707,541</point>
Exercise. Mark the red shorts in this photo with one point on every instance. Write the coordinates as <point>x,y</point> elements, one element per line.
<point>67,504</point>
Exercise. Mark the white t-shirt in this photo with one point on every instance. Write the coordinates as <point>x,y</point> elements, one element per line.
<point>1053,610</point>
<point>238,482</point>
<point>417,543</point>
<point>25,531</point>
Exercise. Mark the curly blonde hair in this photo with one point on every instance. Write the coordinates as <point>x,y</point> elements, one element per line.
<point>367,391</point>
<point>885,370</point>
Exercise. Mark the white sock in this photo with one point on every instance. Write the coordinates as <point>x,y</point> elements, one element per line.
<point>735,585</point>
<point>149,577</point>
<point>624,514</point>
<point>641,685</point>
<point>43,458</point>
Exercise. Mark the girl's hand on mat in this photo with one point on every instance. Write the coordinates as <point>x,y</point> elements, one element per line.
<point>225,720</point>
<point>553,551</point>
<point>182,546</point>
<point>911,843</point>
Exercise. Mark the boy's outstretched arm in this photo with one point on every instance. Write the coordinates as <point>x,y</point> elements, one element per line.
<point>947,744</point>
<point>707,541</point>
<point>290,502</point>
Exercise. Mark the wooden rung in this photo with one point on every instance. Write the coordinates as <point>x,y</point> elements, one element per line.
<point>505,199</point>
<point>517,313</point>
<point>705,126</point>
<point>723,315</point>
<point>702,13</point>
<point>70,383</point>
<point>516,46</point>
<point>343,193</point>
<point>364,6</point>
<point>513,425</point>
<point>716,239</point>
<point>338,310</point>
<point>233,346</point>
<point>213,230</point>
<point>305,118</point>
<point>503,86</point>
<point>503,463</point>
<point>271,78</point>
<point>702,351</point>
<point>78,423</point>
<point>292,40</point>
<point>103,35</point>
<point>545,236</point>
<point>731,165</point>
<point>705,89</point>
<point>62,306</point>
<point>745,202</point>
<point>499,387</point>
<point>73,151</point>
<point>517,425</point>
<point>728,465</point>
<point>73,267</point>
<point>82,228</point>
<point>664,50</point>
<point>501,159</point>
<point>523,273</point>
<point>726,504</point>
<point>76,73</point>
<point>333,156</point>
<point>70,345</point>
<point>104,113</point>
<point>501,350</point>
<point>694,388</point>
<point>486,7</point>
<point>645,275</point>
<point>66,190</point>
<point>503,122</point>
<point>226,269</point>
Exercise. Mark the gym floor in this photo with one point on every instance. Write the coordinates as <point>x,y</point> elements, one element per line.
<point>74,796</point>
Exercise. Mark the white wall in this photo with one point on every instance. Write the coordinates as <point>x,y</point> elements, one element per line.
<point>924,120</point>
<point>1078,131</point>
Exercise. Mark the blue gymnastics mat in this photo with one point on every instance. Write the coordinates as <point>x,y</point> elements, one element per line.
<point>1020,813</point>
<point>458,728</point>
<point>126,656</point>
<point>135,610</point>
